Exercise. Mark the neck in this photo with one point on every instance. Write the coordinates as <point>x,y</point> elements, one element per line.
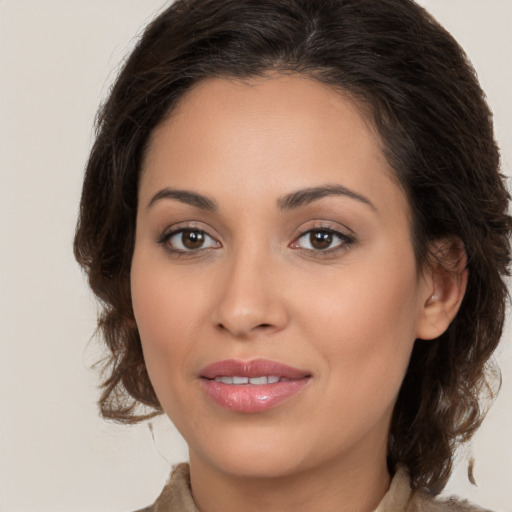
<point>337,486</point>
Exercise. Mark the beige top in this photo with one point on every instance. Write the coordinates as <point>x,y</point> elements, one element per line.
<point>177,497</point>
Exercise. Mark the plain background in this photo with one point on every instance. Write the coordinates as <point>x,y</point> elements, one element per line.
<point>57,59</point>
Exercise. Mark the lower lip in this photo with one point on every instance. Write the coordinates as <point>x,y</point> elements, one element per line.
<point>249,398</point>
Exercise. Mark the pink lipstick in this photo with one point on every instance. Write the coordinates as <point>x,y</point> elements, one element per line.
<point>252,386</point>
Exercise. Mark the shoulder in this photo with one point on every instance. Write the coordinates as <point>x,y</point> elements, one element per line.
<point>401,498</point>
<point>422,502</point>
<point>176,495</point>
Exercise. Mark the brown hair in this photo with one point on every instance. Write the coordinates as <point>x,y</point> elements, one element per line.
<point>437,131</point>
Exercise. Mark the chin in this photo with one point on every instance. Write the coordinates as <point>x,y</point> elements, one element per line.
<point>261,466</point>
<point>254,456</point>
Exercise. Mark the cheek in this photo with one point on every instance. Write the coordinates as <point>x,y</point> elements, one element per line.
<point>166,318</point>
<point>167,298</point>
<point>157,309</point>
<point>364,322</point>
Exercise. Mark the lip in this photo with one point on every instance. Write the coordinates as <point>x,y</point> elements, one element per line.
<point>250,398</point>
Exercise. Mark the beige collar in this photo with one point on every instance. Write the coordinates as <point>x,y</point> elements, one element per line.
<point>177,496</point>
<point>398,495</point>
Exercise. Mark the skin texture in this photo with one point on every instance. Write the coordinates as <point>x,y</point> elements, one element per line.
<point>257,288</point>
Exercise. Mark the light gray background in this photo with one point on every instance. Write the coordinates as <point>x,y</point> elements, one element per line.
<point>57,59</point>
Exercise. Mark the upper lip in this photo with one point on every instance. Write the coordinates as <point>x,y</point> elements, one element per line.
<point>253,368</point>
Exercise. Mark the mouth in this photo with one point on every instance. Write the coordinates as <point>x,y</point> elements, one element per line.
<point>252,386</point>
<point>255,381</point>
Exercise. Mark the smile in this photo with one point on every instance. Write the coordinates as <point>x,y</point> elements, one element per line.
<point>252,386</point>
<point>255,381</point>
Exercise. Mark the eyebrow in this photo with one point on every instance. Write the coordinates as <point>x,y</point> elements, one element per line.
<point>185,196</point>
<point>308,195</point>
<point>290,201</point>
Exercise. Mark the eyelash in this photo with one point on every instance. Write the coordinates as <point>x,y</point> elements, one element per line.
<point>165,238</point>
<point>345,241</point>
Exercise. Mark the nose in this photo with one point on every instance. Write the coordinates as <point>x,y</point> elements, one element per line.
<point>251,299</point>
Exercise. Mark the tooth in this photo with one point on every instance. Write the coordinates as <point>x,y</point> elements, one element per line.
<point>224,380</point>
<point>258,380</point>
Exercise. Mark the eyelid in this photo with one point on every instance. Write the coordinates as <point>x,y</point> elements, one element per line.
<point>347,239</point>
<point>174,230</point>
<point>345,235</point>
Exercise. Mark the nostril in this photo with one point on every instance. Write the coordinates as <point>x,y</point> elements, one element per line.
<point>244,331</point>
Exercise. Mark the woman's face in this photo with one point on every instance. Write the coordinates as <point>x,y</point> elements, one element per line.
<point>273,244</point>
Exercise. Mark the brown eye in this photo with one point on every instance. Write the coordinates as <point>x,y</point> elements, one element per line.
<point>192,239</point>
<point>322,240</point>
<point>189,240</point>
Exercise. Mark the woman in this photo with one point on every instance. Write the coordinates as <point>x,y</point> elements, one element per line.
<point>294,219</point>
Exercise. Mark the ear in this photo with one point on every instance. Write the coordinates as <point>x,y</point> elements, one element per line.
<point>444,283</point>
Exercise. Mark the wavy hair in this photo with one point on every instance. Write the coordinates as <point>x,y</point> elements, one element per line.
<point>436,128</point>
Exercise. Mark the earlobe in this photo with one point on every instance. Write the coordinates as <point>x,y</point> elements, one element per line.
<point>444,285</point>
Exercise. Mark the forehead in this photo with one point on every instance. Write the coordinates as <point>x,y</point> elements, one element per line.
<point>270,133</point>
<point>278,99</point>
